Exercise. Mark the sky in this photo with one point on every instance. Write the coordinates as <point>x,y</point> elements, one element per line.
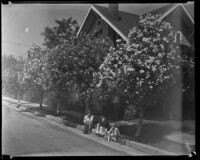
<point>22,24</point>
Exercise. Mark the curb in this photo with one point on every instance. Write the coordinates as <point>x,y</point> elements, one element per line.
<point>59,120</point>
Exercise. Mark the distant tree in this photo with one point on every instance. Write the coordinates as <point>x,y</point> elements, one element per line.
<point>62,33</point>
<point>151,59</point>
<point>21,85</point>
<point>9,75</point>
<point>12,76</point>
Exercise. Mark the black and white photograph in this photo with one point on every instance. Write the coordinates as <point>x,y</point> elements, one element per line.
<point>98,79</point>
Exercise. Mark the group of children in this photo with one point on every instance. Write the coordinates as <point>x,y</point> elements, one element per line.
<point>103,128</point>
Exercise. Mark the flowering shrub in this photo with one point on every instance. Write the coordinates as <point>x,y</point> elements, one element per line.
<point>35,73</point>
<point>34,68</point>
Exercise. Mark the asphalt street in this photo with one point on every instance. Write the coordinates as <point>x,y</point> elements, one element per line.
<point>25,135</point>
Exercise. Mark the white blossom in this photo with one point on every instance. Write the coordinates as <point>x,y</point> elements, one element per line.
<point>162,46</point>
<point>141,71</point>
<point>159,55</point>
<point>144,39</point>
<point>119,62</point>
<point>118,40</point>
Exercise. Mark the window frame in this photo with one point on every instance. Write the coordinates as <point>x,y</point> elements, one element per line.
<point>176,34</point>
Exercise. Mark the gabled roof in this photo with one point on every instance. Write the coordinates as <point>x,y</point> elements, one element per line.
<point>190,8</point>
<point>166,10</point>
<point>161,10</point>
<point>121,26</point>
<point>126,21</point>
<point>130,20</point>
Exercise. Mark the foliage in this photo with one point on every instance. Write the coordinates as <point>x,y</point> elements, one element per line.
<point>63,32</point>
<point>71,65</point>
<point>9,77</point>
<point>12,74</point>
<point>150,58</point>
<point>40,60</point>
<point>34,69</point>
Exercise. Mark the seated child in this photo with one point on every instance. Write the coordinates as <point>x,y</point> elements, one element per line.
<point>113,134</point>
<point>102,127</point>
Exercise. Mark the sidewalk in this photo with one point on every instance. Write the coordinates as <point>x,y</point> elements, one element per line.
<point>148,149</point>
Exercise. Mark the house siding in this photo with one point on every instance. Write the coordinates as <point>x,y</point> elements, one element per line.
<point>181,22</point>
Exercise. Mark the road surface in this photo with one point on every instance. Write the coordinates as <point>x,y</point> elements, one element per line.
<point>25,135</point>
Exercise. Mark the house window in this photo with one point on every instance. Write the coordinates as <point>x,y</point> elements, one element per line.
<point>178,37</point>
<point>98,22</point>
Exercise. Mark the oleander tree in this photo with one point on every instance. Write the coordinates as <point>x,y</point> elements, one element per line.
<point>71,65</point>
<point>34,70</point>
<point>55,38</point>
<point>150,59</point>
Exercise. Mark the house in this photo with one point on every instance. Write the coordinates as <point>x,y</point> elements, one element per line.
<point>116,24</point>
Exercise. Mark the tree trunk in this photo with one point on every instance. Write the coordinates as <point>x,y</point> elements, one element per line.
<point>58,108</point>
<point>18,100</point>
<point>86,105</point>
<point>41,100</point>
<point>19,97</point>
<point>58,105</point>
<point>117,110</point>
<point>116,103</point>
<point>140,122</point>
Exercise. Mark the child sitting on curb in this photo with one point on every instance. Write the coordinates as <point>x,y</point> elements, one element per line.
<point>101,128</point>
<point>113,134</point>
